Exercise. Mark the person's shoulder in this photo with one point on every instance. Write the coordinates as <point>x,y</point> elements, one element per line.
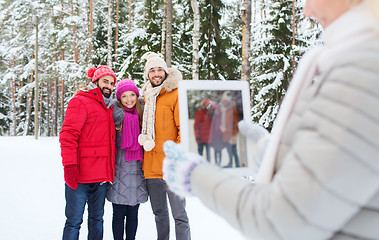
<point>116,107</point>
<point>85,93</point>
<point>77,98</point>
<point>357,68</point>
<point>87,97</point>
<point>364,56</point>
<point>115,103</point>
<point>172,95</point>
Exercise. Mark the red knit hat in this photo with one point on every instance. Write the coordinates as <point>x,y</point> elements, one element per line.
<point>96,73</point>
<point>125,85</point>
<point>206,102</point>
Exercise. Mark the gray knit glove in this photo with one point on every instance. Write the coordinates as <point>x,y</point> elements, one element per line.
<point>178,166</point>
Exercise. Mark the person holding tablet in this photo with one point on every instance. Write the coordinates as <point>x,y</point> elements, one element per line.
<point>319,177</point>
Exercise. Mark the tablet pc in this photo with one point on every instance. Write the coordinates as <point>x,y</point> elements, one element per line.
<point>209,113</point>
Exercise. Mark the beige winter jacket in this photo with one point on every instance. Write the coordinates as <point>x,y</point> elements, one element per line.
<point>326,177</point>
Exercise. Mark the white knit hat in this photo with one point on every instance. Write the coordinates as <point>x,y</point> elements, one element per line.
<point>153,60</point>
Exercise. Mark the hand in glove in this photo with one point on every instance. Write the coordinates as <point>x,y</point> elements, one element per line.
<point>252,130</point>
<point>71,175</point>
<point>178,166</point>
<point>258,138</point>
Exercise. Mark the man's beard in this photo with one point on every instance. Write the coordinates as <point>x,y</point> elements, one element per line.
<point>107,95</point>
<point>156,85</point>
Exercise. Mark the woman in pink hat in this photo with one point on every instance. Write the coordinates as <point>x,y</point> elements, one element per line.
<point>129,187</point>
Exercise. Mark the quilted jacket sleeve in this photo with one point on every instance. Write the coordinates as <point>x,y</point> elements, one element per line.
<point>75,118</point>
<point>118,113</point>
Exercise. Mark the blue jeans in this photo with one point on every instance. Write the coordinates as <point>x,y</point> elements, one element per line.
<point>94,195</point>
<point>200,149</point>
<point>232,151</point>
<point>119,224</point>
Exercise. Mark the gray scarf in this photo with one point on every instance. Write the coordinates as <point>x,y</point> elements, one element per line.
<point>107,101</point>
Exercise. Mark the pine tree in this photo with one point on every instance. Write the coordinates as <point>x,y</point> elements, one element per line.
<point>65,51</point>
<point>17,52</point>
<point>182,37</point>
<point>220,55</point>
<point>273,52</point>
<point>142,38</point>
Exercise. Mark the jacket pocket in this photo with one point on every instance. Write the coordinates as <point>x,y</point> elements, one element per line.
<point>94,163</point>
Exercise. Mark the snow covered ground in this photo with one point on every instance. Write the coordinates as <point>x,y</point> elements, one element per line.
<point>32,198</point>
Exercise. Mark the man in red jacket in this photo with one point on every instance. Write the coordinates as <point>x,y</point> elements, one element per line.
<point>88,150</point>
<point>202,128</point>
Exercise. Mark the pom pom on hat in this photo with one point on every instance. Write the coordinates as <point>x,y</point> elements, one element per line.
<point>96,73</point>
<point>125,85</point>
<point>153,60</point>
<point>91,72</point>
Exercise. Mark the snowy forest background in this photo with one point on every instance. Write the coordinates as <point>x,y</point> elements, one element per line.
<point>204,39</point>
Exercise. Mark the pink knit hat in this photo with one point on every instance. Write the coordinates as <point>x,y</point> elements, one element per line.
<point>96,73</point>
<point>125,85</point>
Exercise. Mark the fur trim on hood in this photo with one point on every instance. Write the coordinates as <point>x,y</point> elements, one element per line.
<point>172,80</point>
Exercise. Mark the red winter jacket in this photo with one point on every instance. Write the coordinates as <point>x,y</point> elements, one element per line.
<point>202,126</point>
<point>88,137</point>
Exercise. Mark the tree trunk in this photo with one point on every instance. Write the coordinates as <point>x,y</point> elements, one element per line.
<point>254,15</point>
<point>49,106</point>
<point>76,53</point>
<point>20,101</point>
<point>263,13</point>
<point>164,29</point>
<point>130,16</point>
<point>62,97</point>
<point>116,34</point>
<point>90,29</point>
<point>36,84</point>
<point>195,39</point>
<point>293,35</point>
<point>109,41</point>
<point>12,127</point>
<point>55,102</point>
<point>40,104</point>
<point>13,108</point>
<point>29,99</point>
<point>246,29</point>
<point>169,33</point>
